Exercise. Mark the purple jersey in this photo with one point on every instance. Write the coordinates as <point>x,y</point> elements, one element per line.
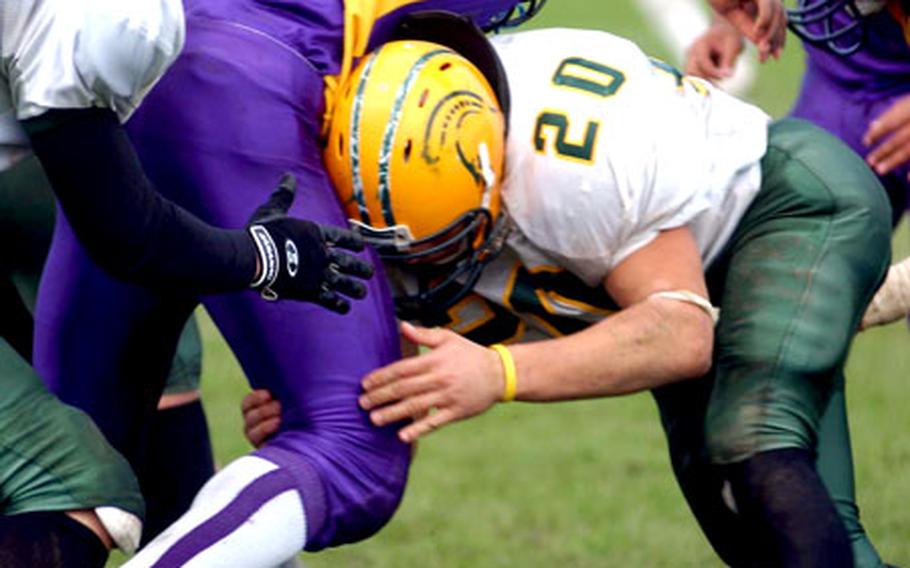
<point>315,28</point>
<point>844,94</point>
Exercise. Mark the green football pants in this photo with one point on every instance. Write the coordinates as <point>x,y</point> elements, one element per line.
<point>792,286</point>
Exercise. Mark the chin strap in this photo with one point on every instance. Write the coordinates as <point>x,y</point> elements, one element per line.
<point>690,298</point>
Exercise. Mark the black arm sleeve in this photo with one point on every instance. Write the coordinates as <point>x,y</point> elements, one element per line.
<point>126,226</point>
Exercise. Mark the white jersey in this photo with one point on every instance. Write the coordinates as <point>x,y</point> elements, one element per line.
<point>70,54</point>
<point>606,148</point>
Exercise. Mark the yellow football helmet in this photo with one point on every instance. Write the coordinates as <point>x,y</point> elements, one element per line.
<point>415,152</point>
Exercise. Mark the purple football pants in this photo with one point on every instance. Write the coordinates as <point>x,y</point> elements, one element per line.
<point>236,111</point>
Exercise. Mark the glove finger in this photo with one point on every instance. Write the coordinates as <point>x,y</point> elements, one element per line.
<point>278,202</point>
<point>342,238</point>
<point>347,286</point>
<point>332,301</point>
<point>351,265</point>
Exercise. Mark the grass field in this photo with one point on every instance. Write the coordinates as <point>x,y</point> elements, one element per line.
<point>588,484</point>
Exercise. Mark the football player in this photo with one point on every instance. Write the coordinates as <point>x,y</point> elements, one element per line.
<point>634,200</point>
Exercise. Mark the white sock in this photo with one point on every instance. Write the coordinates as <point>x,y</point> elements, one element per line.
<point>249,515</point>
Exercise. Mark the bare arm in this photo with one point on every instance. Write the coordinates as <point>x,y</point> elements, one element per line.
<point>653,341</point>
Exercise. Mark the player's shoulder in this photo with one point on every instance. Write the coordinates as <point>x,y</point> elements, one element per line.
<point>80,53</point>
<point>555,42</point>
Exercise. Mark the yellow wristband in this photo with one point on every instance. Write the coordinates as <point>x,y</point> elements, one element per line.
<point>508,368</point>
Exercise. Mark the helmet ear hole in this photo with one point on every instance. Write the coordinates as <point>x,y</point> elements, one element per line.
<point>340,145</point>
<point>445,66</point>
<point>423,98</point>
<point>407,150</point>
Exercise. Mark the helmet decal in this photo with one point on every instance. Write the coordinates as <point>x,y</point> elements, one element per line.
<point>356,110</point>
<point>458,105</point>
<point>385,153</point>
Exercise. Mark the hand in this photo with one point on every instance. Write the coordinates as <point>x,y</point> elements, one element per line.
<point>714,53</point>
<point>763,22</point>
<point>302,260</point>
<point>261,416</point>
<point>890,134</point>
<point>457,379</point>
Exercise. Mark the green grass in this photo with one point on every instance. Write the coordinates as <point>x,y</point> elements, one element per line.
<point>588,484</point>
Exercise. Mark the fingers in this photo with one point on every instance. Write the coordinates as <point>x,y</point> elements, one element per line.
<point>397,390</point>
<point>333,301</point>
<point>763,22</point>
<point>259,435</point>
<point>410,407</point>
<point>729,50</point>
<point>342,238</point>
<point>893,126</point>
<point>404,368</point>
<point>702,62</point>
<point>428,337</point>
<point>348,286</point>
<point>423,426</point>
<point>351,265</point>
<point>256,398</point>
<point>288,183</point>
<point>699,61</point>
<point>261,416</point>
<point>892,153</point>
<point>336,284</point>
<point>770,28</point>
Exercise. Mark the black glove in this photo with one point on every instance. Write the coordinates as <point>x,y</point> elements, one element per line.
<point>303,260</point>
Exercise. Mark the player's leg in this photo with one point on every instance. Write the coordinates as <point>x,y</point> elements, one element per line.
<point>65,491</point>
<point>682,409</point>
<point>835,466</point>
<point>805,260</point>
<point>233,113</point>
<point>178,449</point>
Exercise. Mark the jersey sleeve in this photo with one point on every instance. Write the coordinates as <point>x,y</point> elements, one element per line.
<point>70,54</point>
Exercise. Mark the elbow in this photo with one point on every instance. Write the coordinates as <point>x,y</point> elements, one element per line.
<point>122,263</point>
<point>692,351</point>
<point>118,268</point>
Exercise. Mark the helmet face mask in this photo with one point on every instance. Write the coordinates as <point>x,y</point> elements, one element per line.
<point>515,16</point>
<point>837,25</point>
<point>449,245</point>
<point>415,151</point>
